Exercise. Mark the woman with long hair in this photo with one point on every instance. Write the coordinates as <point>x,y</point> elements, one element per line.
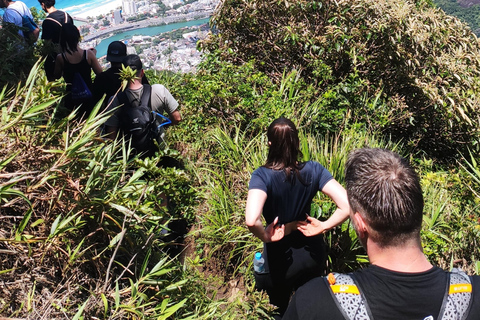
<point>74,61</point>
<point>282,190</point>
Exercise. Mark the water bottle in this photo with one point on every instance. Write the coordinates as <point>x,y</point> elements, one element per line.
<point>258,263</point>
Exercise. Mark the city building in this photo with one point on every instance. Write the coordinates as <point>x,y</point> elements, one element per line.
<point>129,7</point>
<point>117,16</point>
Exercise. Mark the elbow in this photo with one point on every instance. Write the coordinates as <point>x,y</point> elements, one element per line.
<point>176,118</point>
<point>250,222</point>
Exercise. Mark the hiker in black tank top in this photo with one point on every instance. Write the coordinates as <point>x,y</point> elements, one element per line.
<point>82,67</point>
<point>73,60</point>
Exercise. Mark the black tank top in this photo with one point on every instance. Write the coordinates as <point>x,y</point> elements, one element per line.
<point>83,68</point>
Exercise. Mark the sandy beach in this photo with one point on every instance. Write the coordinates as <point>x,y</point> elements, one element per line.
<point>95,10</point>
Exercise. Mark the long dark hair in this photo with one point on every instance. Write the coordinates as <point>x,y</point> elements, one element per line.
<point>69,38</point>
<point>284,150</point>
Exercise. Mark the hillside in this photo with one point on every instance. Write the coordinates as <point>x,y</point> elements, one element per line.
<point>467,11</point>
<point>87,232</point>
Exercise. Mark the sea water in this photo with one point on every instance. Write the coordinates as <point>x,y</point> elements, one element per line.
<point>73,7</point>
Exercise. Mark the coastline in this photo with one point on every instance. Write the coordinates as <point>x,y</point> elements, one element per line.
<point>81,8</point>
<point>104,8</point>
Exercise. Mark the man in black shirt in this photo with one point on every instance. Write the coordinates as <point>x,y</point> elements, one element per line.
<point>51,29</point>
<point>108,82</point>
<point>386,211</point>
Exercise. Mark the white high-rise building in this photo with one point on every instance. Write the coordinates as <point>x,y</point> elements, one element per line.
<point>117,16</point>
<point>129,7</point>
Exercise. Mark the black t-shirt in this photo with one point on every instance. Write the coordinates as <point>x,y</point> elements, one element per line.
<point>390,296</point>
<point>108,82</point>
<point>289,201</point>
<point>50,29</point>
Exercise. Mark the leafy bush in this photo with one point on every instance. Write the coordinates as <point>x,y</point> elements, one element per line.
<point>87,226</point>
<point>415,64</point>
<point>450,225</point>
<point>16,55</point>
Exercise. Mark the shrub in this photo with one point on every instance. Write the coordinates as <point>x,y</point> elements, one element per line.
<point>419,64</point>
<point>88,227</point>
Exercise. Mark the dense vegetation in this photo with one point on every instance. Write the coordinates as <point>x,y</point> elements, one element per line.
<point>87,233</point>
<point>414,67</point>
<point>467,11</point>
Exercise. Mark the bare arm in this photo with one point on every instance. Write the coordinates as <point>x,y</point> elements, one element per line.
<point>92,60</point>
<point>255,200</point>
<point>35,34</point>
<point>175,117</point>
<point>338,194</point>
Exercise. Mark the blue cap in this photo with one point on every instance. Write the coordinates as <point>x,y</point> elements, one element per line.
<point>258,255</point>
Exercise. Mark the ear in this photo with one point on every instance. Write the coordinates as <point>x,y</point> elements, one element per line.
<point>360,224</point>
<point>269,143</point>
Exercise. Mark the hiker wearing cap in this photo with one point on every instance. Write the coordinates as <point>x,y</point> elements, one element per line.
<point>17,13</point>
<point>108,82</point>
<point>51,29</point>
<point>134,118</point>
<point>386,203</point>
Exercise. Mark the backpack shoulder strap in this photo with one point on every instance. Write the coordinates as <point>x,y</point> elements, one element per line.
<point>146,96</point>
<point>65,60</point>
<point>21,15</point>
<point>458,296</point>
<point>51,19</point>
<point>123,99</point>
<point>348,297</point>
<point>124,103</point>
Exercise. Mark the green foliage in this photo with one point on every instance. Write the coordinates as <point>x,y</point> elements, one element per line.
<point>415,66</point>
<point>89,226</point>
<point>38,15</point>
<point>450,227</point>
<point>467,12</point>
<point>16,55</point>
<point>92,223</point>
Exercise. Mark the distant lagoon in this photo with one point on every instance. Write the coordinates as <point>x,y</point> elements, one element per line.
<point>149,31</point>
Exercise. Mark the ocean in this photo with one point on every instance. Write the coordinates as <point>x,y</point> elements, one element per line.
<point>73,7</point>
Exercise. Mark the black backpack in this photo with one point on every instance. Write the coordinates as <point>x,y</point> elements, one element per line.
<point>138,123</point>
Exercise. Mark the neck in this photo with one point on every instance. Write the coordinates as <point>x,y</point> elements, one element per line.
<point>50,10</point>
<point>135,84</point>
<point>408,257</point>
<point>79,50</point>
